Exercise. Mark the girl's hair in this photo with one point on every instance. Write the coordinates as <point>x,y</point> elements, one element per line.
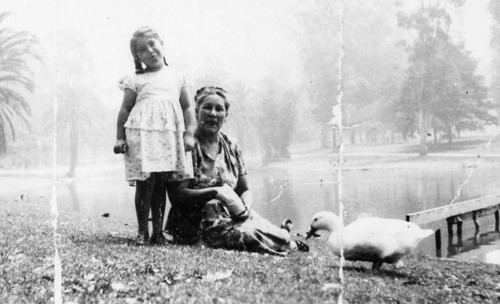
<point>143,31</point>
<point>204,92</point>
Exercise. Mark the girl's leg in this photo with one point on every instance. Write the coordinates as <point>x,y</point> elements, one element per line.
<point>143,194</point>
<point>158,204</point>
<point>163,200</point>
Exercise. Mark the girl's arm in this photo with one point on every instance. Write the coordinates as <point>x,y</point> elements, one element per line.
<point>243,191</point>
<point>189,118</point>
<point>128,103</point>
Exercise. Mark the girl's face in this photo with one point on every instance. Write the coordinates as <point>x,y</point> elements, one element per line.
<point>150,52</point>
<point>211,114</point>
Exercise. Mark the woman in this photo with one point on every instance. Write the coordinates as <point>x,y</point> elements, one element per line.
<point>205,207</point>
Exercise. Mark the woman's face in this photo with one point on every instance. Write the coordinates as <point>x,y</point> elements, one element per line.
<point>150,52</point>
<point>211,114</point>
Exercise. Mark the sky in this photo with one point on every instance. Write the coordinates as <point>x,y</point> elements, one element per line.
<point>245,37</point>
<point>475,30</point>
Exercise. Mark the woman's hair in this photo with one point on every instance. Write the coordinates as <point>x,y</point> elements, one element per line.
<point>143,31</point>
<point>204,92</point>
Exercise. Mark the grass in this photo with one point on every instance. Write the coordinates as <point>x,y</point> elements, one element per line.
<point>100,264</point>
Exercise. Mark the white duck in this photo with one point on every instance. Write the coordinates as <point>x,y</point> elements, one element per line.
<point>371,239</point>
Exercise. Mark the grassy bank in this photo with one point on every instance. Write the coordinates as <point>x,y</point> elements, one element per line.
<point>100,264</point>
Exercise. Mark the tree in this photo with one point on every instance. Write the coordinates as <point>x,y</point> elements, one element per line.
<point>276,119</point>
<point>80,112</point>
<point>391,117</point>
<point>319,48</point>
<point>239,95</point>
<point>441,89</point>
<point>465,103</point>
<point>494,8</point>
<point>369,61</point>
<point>17,48</point>
<point>419,91</point>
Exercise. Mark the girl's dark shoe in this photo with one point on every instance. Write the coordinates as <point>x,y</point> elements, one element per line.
<point>158,239</point>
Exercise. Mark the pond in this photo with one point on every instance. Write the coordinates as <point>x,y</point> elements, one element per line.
<point>298,188</point>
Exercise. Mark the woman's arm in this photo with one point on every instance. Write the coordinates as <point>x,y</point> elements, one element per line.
<point>243,191</point>
<point>128,103</point>
<point>181,193</point>
<point>189,118</point>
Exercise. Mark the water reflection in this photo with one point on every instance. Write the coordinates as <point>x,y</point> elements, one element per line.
<point>71,186</point>
<point>474,242</point>
<point>385,192</point>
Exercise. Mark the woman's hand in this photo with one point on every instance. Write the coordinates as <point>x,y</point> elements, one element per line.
<point>120,146</point>
<point>188,141</point>
<point>243,191</point>
<point>233,203</point>
<point>247,198</point>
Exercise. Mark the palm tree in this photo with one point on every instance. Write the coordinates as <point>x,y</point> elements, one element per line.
<point>16,48</point>
<point>80,113</point>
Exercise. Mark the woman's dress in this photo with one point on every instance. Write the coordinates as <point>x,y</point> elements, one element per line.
<point>210,222</point>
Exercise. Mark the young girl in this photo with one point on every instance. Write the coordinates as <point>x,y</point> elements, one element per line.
<point>154,129</point>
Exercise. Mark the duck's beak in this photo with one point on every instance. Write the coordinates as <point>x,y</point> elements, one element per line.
<point>312,232</point>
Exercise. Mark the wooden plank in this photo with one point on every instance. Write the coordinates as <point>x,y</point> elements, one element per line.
<point>487,211</point>
<point>479,213</point>
<point>443,212</point>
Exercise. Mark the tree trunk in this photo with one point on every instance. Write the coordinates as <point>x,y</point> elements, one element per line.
<point>435,134</point>
<point>404,134</point>
<point>74,196</point>
<point>94,154</point>
<point>284,153</point>
<point>334,140</point>
<point>423,133</point>
<point>73,149</point>
<point>326,131</point>
<point>3,141</point>
<point>450,134</point>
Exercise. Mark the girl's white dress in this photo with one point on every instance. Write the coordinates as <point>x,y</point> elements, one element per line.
<point>155,126</point>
